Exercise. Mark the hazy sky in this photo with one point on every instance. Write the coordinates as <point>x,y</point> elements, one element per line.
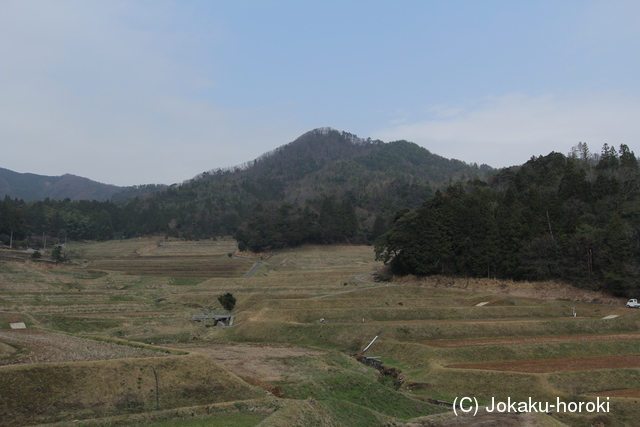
<point>136,92</point>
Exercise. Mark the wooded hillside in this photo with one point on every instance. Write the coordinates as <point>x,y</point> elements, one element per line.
<point>573,217</point>
<point>305,187</point>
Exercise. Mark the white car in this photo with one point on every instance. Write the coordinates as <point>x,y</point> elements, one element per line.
<point>633,303</point>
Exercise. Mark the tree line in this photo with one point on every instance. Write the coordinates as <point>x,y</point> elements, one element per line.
<point>309,190</point>
<point>575,218</point>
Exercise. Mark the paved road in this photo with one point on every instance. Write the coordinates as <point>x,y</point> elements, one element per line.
<point>255,267</point>
<point>359,277</point>
<point>253,270</point>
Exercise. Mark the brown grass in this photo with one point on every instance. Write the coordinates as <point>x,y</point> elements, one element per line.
<point>268,362</point>
<point>48,392</point>
<point>150,246</point>
<point>177,266</point>
<point>559,365</point>
<point>275,305</point>
<point>546,290</point>
<point>474,342</point>
<point>47,346</point>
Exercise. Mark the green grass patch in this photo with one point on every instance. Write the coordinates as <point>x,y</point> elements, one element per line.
<point>77,324</point>
<point>11,351</point>
<point>336,377</point>
<point>4,268</point>
<point>352,414</point>
<point>218,420</point>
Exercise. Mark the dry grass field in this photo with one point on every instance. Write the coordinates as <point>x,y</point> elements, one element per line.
<point>446,338</point>
<point>45,346</point>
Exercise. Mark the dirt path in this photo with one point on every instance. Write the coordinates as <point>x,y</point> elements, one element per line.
<point>262,361</point>
<point>629,392</point>
<point>352,290</point>
<point>529,340</point>
<point>558,365</point>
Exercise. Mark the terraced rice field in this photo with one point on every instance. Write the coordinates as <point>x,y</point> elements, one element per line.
<point>449,342</point>
<point>558,365</point>
<point>446,341</point>
<point>44,346</point>
<point>176,266</point>
<point>529,340</point>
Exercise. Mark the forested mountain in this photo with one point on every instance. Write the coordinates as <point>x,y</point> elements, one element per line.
<point>573,217</point>
<point>286,189</point>
<point>29,186</point>
<point>307,188</point>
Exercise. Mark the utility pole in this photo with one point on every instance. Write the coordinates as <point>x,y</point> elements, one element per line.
<point>11,241</point>
<point>44,242</point>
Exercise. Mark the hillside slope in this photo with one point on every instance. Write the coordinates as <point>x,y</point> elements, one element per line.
<point>376,178</point>
<point>29,186</point>
<point>326,186</point>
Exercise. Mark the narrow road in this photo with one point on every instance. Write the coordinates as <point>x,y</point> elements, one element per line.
<point>255,267</point>
<point>253,270</point>
<point>359,278</point>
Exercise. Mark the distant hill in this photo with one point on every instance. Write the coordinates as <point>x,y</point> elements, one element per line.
<point>326,186</point>
<point>326,162</point>
<point>29,186</point>
<point>376,178</point>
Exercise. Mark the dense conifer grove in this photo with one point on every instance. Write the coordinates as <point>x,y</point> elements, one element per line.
<point>575,218</point>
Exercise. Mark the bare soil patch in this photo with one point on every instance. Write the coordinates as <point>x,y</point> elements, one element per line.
<point>558,365</point>
<point>47,346</point>
<point>262,361</point>
<point>473,342</point>
<point>629,392</point>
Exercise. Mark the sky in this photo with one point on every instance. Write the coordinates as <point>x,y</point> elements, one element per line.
<point>152,91</point>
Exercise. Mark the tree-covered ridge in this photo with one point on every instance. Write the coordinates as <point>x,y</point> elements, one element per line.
<point>29,186</point>
<point>575,218</point>
<point>288,225</point>
<point>294,181</point>
<point>321,164</point>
